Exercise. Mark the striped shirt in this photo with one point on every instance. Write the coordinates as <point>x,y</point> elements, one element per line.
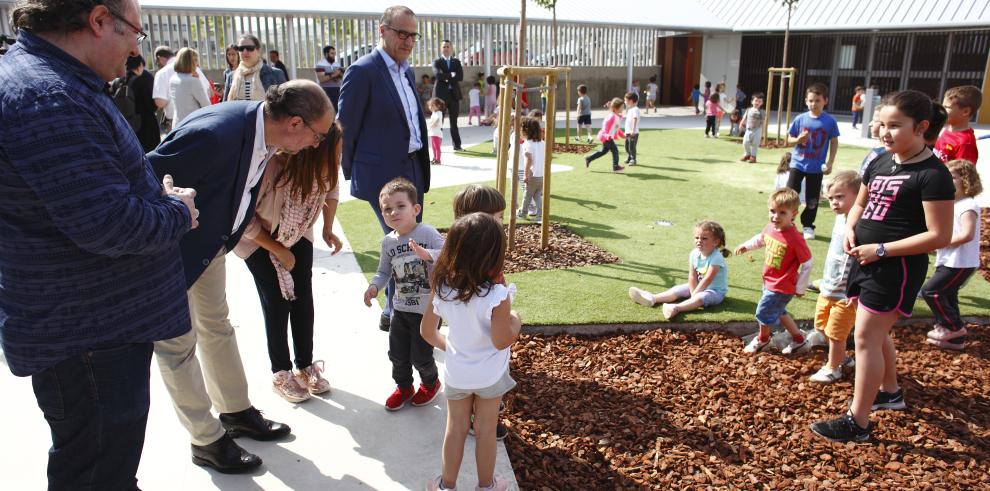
<point>89,245</point>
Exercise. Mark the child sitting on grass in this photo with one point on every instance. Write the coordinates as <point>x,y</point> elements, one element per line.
<point>786,269</point>
<point>835,314</point>
<point>707,276</point>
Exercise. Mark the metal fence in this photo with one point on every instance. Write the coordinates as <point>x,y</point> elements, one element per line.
<point>481,42</point>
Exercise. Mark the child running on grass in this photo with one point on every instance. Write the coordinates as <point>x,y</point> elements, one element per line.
<point>835,314</point>
<point>607,135</point>
<point>708,275</point>
<point>955,263</point>
<point>465,290</point>
<point>584,112</point>
<point>786,269</point>
<point>711,112</point>
<point>752,124</point>
<point>903,211</point>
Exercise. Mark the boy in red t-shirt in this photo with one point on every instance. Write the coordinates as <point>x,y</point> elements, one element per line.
<point>857,105</point>
<point>786,270</point>
<point>958,140</point>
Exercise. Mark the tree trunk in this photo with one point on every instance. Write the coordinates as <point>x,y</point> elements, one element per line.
<point>553,41</point>
<point>521,57</point>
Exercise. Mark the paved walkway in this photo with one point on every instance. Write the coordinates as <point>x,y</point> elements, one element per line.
<point>346,441</point>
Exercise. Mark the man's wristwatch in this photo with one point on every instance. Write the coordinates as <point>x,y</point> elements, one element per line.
<point>881,252</point>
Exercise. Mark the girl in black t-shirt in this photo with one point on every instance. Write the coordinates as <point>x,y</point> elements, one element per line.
<point>902,212</point>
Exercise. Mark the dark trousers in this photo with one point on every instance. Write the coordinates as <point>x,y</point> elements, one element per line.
<point>408,349</point>
<point>812,192</point>
<point>857,117</point>
<point>96,405</point>
<point>941,293</point>
<point>631,141</point>
<point>279,312</point>
<point>453,110</point>
<point>334,94</point>
<point>420,184</point>
<point>710,125</point>
<point>607,146</point>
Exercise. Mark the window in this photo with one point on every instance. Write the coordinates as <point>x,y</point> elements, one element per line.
<point>847,57</point>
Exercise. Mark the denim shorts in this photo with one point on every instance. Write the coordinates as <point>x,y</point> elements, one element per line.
<point>498,389</point>
<point>772,305</point>
<point>708,297</point>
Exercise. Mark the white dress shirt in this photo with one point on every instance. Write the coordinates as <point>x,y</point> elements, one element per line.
<point>407,94</point>
<point>258,161</point>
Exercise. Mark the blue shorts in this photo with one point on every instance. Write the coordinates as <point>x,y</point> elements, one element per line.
<point>772,305</point>
<point>584,119</point>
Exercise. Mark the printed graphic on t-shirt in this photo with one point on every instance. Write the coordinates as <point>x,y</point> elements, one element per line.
<point>411,279</point>
<point>776,250</point>
<point>883,193</point>
<point>815,146</point>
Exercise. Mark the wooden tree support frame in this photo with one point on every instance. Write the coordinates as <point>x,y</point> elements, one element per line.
<point>787,76</point>
<point>510,97</point>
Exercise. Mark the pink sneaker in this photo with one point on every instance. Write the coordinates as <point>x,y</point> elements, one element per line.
<point>285,385</point>
<point>312,379</point>
<point>434,484</point>
<point>940,333</point>
<point>497,485</point>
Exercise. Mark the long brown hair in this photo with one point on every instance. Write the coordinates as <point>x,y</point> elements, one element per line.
<point>472,256</point>
<point>313,166</point>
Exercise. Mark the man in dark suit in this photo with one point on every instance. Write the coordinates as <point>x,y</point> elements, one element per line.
<point>384,126</point>
<point>449,74</point>
<point>222,151</point>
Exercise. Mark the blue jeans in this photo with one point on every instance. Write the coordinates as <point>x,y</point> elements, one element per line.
<point>96,404</point>
<point>771,307</point>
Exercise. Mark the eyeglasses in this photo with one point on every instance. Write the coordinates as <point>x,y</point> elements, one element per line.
<point>404,35</point>
<point>141,35</point>
<point>249,48</point>
<point>317,137</point>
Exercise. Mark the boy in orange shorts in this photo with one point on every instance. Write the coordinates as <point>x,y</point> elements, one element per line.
<point>835,314</point>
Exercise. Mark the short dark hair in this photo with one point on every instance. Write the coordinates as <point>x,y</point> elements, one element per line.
<point>394,11</point>
<point>965,96</point>
<point>477,198</point>
<point>61,16</point>
<point>164,52</point>
<point>632,96</point>
<point>273,52</point>
<point>758,95</point>
<point>818,88</point>
<point>446,41</point>
<point>400,185</point>
<point>134,62</point>
<point>301,98</point>
<point>327,48</point>
<point>582,89</point>
<point>254,39</point>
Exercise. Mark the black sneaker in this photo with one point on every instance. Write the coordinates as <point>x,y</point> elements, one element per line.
<point>842,430</point>
<point>500,430</point>
<point>385,323</point>
<point>887,400</point>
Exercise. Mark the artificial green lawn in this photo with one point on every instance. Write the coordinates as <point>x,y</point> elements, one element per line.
<point>681,177</point>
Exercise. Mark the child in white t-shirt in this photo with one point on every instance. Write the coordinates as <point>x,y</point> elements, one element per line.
<point>631,126</point>
<point>466,292</point>
<point>533,150</point>
<point>434,127</point>
<point>474,103</point>
<point>783,171</point>
<point>955,263</point>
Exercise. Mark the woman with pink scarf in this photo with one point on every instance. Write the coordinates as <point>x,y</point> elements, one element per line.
<point>278,248</point>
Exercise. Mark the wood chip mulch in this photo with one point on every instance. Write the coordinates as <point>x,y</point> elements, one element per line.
<point>675,410</point>
<point>573,147</point>
<point>565,250</point>
<point>985,244</point>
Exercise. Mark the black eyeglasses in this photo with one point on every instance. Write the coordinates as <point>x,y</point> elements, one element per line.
<point>404,35</point>
<point>249,48</point>
<point>141,35</point>
<point>317,137</point>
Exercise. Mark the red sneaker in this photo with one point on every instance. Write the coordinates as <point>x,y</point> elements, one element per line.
<point>426,395</point>
<point>398,398</point>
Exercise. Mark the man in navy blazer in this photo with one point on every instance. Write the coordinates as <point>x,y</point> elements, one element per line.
<point>384,126</point>
<point>449,74</point>
<point>221,151</point>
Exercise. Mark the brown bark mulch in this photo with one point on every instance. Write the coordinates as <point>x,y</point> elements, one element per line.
<point>573,147</point>
<point>985,244</point>
<point>674,410</point>
<point>565,250</point>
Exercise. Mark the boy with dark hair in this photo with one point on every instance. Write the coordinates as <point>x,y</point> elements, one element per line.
<point>815,135</point>
<point>958,140</point>
<point>632,126</point>
<point>398,260</point>
<point>584,111</point>
<point>857,105</point>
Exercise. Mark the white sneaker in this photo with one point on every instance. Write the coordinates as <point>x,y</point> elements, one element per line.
<point>825,375</point>
<point>809,233</point>
<point>284,384</point>
<point>641,296</point>
<point>756,345</point>
<point>794,347</point>
<point>669,310</point>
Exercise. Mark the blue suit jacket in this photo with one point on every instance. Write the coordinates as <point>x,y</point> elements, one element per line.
<point>210,151</point>
<point>376,135</point>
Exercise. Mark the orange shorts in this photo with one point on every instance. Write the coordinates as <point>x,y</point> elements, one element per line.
<point>836,318</point>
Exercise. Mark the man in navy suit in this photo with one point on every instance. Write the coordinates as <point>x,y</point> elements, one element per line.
<point>222,151</point>
<point>449,74</point>
<point>384,126</point>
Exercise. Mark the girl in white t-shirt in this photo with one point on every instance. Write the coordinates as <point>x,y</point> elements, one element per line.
<point>474,103</point>
<point>783,172</point>
<point>957,262</point>
<point>533,150</point>
<point>466,291</point>
<point>434,126</point>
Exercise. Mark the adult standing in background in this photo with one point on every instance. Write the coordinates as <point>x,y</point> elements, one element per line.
<point>142,84</point>
<point>330,74</point>
<point>383,122</point>
<point>252,78</point>
<point>232,58</point>
<point>275,60</point>
<point>166,61</point>
<point>90,274</point>
<point>223,149</point>
<point>449,74</point>
<point>185,92</point>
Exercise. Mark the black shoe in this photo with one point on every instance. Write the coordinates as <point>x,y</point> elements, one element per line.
<point>887,400</point>
<point>251,424</point>
<point>384,323</point>
<point>458,149</point>
<point>500,430</point>
<point>842,430</point>
<point>226,456</point>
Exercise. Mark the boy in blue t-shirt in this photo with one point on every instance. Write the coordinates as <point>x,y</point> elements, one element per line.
<point>816,136</point>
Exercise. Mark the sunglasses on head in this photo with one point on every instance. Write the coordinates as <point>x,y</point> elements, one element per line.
<point>247,48</point>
